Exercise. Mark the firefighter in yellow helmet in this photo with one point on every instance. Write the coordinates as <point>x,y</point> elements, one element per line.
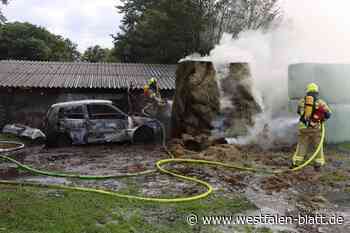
<point>151,89</point>
<point>313,111</point>
<point>152,93</point>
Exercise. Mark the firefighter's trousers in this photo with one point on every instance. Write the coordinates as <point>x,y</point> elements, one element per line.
<point>309,138</point>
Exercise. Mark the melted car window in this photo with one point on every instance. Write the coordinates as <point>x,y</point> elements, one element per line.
<point>98,111</point>
<point>71,112</point>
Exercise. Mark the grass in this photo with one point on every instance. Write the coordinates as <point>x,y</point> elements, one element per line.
<point>33,210</point>
<point>345,146</point>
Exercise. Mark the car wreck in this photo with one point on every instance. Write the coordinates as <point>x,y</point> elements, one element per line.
<point>96,121</point>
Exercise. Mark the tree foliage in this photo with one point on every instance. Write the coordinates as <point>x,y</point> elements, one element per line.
<point>24,41</point>
<point>96,54</point>
<point>235,16</point>
<point>162,31</point>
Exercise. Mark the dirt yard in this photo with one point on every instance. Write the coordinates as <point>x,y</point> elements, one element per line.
<point>305,192</point>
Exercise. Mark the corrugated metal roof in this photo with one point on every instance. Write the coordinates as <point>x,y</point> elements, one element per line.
<point>84,75</point>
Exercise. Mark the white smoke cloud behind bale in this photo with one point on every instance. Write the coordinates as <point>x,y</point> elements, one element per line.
<point>270,133</point>
<point>311,31</point>
<point>269,73</point>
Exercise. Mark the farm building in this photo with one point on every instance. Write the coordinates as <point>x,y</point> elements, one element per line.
<point>28,88</point>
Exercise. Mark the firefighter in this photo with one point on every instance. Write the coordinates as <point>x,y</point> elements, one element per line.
<point>151,89</point>
<point>152,93</point>
<point>313,112</point>
<point>157,107</point>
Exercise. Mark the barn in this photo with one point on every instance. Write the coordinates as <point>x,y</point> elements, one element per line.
<point>29,88</point>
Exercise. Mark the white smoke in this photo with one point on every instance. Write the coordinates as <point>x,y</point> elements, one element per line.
<point>312,31</point>
<point>269,72</point>
<point>270,132</point>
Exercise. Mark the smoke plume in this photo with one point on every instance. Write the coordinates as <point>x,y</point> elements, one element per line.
<point>311,31</point>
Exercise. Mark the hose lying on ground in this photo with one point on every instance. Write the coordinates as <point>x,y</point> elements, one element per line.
<point>159,166</point>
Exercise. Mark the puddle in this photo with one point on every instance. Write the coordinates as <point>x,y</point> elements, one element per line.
<point>46,180</point>
<point>112,185</point>
<point>8,171</point>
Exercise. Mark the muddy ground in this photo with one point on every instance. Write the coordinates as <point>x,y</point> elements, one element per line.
<point>305,192</point>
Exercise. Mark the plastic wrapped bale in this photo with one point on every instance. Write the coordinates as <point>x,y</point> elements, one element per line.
<point>196,101</point>
<point>338,127</point>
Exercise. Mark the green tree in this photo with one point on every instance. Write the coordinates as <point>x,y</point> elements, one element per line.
<point>112,56</point>
<point>64,50</point>
<point>96,54</point>
<point>24,41</point>
<point>235,16</point>
<point>161,31</point>
<point>165,31</point>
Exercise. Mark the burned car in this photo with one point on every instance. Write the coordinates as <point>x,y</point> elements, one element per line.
<point>96,121</point>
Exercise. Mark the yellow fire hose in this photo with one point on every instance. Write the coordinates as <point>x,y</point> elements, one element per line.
<point>159,166</point>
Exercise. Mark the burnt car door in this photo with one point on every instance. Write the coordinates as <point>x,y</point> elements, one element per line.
<point>106,123</point>
<point>72,122</point>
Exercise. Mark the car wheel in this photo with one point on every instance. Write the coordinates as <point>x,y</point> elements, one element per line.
<point>38,141</point>
<point>51,139</point>
<point>63,140</point>
<point>49,142</point>
<point>143,135</point>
